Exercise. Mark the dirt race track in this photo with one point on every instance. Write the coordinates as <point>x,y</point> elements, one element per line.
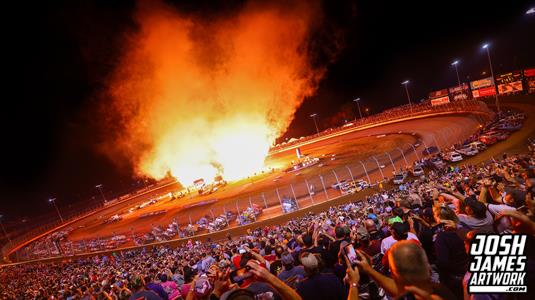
<point>348,149</point>
<point>354,154</point>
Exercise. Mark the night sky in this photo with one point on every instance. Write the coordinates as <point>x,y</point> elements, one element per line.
<point>60,54</point>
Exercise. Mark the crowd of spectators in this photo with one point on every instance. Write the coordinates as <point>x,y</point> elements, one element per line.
<point>410,241</point>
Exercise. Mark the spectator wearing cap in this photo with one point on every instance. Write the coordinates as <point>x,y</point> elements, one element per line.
<point>318,285</point>
<point>476,216</point>
<point>366,244</point>
<point>398,231</point>
<point>291,274</point>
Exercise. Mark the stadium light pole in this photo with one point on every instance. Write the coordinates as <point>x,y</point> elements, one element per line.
<point>53,201</point>
<point>455,63</point>
<point>4,230</point>
<point>99,187</point>
<point>358,106</point>
<point>486,47</point>
<point>313,116</point>
<point>405,83</point>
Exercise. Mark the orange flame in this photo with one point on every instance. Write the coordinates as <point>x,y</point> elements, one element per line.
<point>200,98</point>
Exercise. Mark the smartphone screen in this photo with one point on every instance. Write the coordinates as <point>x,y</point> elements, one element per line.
<point>239,275</point>
<point>351,254</point>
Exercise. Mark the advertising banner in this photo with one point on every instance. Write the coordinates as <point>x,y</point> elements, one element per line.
<point>438,94</point>
<point>510,87</point>
<point>509,77</point>
<point>531,84</point>
<point>459,88</point>
<point>440,101</point>
<point>529,72</point>
<point>484,92</point>
<point>460,92</point>
<point>474,85</point>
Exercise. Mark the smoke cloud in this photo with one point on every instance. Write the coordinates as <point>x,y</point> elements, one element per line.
<point>198,98</point>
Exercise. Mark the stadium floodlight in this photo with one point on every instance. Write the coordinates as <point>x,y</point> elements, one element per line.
<point>486,47</point>
<point>53,201</point>
<point>530,11</point>
<point>405,83</point>
<point>455,63</point>
<point>99,187</point>
<point>357,100</point>
<point>313,116</point>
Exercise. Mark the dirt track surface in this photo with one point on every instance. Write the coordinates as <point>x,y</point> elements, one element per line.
<point>350,149</point>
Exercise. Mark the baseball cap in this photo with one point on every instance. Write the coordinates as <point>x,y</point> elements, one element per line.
<point>395,219</point>
<point>362,233</point>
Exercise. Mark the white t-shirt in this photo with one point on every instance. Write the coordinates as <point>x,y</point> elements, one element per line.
<point>504,224</point>
<point>387,242</point>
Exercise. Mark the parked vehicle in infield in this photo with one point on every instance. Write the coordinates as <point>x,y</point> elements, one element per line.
<point>399,178</point>
<point>498,134</point>
<point>417,171</point>
<point>488,139</point>
<point>478,145</point>
<point>467,150</point>
<point>435,163</point>
<point>453,156</point>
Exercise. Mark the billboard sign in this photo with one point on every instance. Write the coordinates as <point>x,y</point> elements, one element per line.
<point>509,77</point>
<point>438,94</point>
<point>440,101</point>
<point>459,88</point>
<point>510,87</point>
<point>484,92</point>
<point>531,84</point>
<point>474,85</point>
<point>529,72</point>
<point>460,92</point>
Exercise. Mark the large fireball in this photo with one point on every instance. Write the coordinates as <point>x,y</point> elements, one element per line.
<point>199,98</point>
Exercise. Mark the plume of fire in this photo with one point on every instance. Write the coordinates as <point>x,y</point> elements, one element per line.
<point>200,98</point>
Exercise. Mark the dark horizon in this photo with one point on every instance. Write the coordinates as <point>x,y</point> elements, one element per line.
<point>60,55</point>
